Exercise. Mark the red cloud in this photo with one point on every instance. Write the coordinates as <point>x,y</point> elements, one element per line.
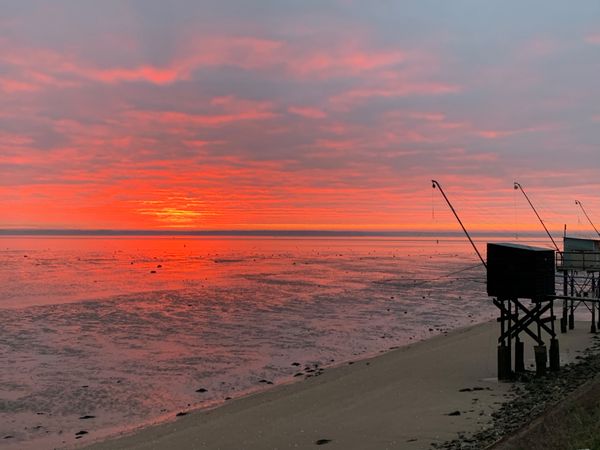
<point>307,111</point>
<point>340,61</point>
<point>145,73</point>
<point>228,109</point>
<point>496,134</point>
<point>397,88</point>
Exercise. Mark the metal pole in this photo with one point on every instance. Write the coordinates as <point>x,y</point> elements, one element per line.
<point>518,186</point>
<point>434,183</point>
<point>577,202</point>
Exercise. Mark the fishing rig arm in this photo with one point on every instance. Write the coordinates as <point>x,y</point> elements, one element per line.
<point>518,186</point>
<point>577,202</point>
<point>435,184</point>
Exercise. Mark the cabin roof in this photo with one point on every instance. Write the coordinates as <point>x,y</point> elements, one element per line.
<point>571,238</point>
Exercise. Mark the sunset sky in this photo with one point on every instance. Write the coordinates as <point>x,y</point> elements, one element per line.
<point>309,114</point>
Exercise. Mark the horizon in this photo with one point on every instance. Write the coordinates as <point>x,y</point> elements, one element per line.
<point>281,232</point>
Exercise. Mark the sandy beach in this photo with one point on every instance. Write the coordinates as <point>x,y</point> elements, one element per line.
<point>408,398</point>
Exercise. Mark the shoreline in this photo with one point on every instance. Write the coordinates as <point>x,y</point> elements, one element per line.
<point>172,417</point>
<point>413,396</point>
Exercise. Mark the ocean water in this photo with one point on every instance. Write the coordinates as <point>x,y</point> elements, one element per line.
<point>106,334</point>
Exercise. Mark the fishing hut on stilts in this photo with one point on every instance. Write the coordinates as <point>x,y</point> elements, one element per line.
<point>521,280</point>
<point>579,264</point>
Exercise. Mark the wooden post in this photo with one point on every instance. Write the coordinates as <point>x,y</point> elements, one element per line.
<point>503,370</point>
<point>596,294</point>
<point>554,355</point>
<point>541,358</point>
<point>572,313</point>
<point>509,340</point>
<point>519,348</point>
<point>563,319</point>
<point>503,350</point>
<point>519,356</point>
<point>593,326</point>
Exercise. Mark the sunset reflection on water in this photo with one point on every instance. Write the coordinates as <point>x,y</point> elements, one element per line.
<point>128,329</point>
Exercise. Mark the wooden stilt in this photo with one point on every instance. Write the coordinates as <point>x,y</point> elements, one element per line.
<point>572,312</point>
<point>519,356</point>
<point>563,319</point>
<point>554,355</point>
<point>541,359</point>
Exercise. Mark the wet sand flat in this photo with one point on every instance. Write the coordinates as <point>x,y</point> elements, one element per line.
<point>217,319</point>
<point>406,398</point>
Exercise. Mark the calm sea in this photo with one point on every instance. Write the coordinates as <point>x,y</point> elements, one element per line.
<point>103,334</point>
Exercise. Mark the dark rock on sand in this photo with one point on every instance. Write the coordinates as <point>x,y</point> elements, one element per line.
<point>87,416</point>
<point>265,381</point>
<point>454,413</point>
<point>182,413</point>
<point>81,433</point>
<point>322,441</point>
<point>201,390</point>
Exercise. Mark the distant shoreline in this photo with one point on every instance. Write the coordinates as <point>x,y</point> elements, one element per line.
<point>261,233</point>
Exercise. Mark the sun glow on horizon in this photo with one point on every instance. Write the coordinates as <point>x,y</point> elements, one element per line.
<point>216,120</point>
